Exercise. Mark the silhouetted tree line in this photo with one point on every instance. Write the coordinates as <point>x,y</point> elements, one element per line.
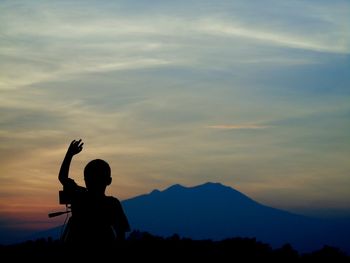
<point>145,247</point>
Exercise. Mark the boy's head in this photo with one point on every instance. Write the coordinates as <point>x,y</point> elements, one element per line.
<point>97,174</point>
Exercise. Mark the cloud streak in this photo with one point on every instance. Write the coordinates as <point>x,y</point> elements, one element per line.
<point>66,43</point>
<point>238,127</point>
<point>221,28</point>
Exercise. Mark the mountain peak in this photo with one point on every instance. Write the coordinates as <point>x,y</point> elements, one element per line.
<point>175,187</point>
<point>207,186</point>
<point>212,185</point>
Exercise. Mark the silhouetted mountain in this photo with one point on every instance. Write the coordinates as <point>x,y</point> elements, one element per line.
<point>214,211</point>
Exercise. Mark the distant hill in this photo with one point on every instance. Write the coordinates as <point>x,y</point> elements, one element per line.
<point>214,211</point>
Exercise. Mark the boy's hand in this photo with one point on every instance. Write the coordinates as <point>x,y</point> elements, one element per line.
<point>75,147</point>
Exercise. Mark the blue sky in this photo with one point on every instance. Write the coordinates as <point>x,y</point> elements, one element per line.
<point>252,94</point>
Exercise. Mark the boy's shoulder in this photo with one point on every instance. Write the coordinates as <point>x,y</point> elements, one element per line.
<point>113,200</point>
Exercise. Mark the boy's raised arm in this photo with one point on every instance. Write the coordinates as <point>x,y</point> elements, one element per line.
<point>74,148</point>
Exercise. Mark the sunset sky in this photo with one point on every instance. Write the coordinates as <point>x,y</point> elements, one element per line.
<point>253,94</point>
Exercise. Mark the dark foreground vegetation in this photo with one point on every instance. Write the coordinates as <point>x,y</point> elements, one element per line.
<point>148,248</point>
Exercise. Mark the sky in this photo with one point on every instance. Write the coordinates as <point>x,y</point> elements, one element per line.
<point>253,94</point>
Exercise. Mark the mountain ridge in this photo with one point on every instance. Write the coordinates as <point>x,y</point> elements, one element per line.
<point>216,211</point>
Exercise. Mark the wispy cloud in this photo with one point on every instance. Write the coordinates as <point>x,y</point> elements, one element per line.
<point>63,41</point>
<point>314,43</point>
<point>238,126</point>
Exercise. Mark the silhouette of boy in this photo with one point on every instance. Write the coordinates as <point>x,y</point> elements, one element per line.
<point>96,219</point>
